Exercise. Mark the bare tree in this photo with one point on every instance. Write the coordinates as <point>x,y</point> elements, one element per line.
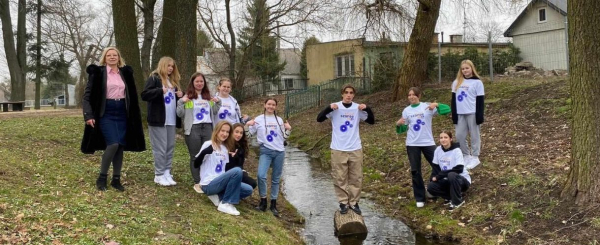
<point>73,26</point>
<point>147,9</point>
<point>15,55</point>
<point>283,13</point>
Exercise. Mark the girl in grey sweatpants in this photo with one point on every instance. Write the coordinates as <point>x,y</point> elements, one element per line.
<point>467,111</point>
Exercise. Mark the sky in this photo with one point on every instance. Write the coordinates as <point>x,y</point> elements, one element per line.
<point>472,17</point>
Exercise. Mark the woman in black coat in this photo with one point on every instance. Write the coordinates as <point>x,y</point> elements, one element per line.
<point>112,115</point>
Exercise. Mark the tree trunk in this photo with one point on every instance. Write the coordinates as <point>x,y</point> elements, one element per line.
<point>185,47</point>
<point>156,47</point>
<point>168,30</point>
<point>349,224</point>
<point>38,59</point>
<point>414,63</point>
<point>127,40</point>
<point>232,49</point>
<point>15,58</point>
<point>583,183</point>
<point>148,10</point>
<point>80,86</point>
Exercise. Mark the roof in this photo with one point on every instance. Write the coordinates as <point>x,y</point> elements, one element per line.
<point>214,61</point>
<point>558,5</point>
<point>292,58</point>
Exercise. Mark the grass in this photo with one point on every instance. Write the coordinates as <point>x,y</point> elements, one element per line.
<point>48,196</point>
<point>515,191</point>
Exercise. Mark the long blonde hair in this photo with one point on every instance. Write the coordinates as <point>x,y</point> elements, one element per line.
<point>103,56</point>
<point>229,142</point>
<point>161,70</point>
<point>460,78</point>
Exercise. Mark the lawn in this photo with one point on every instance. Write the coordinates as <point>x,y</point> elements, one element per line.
<point>48,195</point>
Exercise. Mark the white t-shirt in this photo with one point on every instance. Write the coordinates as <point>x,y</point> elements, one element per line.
<point>344,123</point>
<point>229,111</point>
<point>170,106</point>
<point>466,95</point>
<point>213,164</point>
<point>201,111</point>
<point>269,132</point>
<point>418,120</point>
<point>449,159</point>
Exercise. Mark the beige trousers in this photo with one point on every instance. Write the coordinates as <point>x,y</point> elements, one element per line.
<point>346,170</point>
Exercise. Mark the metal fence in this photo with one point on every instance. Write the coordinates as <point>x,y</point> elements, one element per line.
<point>324,93</point>
<point>271,87</point>
<point>541,51</point>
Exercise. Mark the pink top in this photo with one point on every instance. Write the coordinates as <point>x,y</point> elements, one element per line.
<point>115,87</point>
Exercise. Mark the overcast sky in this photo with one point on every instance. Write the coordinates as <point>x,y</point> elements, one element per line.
<point>457,17</point>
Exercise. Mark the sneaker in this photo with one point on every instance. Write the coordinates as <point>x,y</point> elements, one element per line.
<point>473,162</point>
<point>169,179</point>
<point>420,204</point>
<point>214,199</point>
<point>161,180</point>
<point>447,202</point>
<point>343,208</point>
<point>356,209</point>
<point>453,207</point>
<point>227,208</point>
<point>198,189</point>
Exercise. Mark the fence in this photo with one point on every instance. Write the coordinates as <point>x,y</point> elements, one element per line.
<point>542,48</point>
<point>271,87</point>
<point>324,93</point>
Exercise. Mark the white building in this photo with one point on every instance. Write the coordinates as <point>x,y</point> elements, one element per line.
<point>539,32</point>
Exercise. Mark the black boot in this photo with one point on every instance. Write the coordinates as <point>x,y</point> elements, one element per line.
<point>101,182</point>
<point>116,183</point>
<point>262,206</point>
<point>273,208</point>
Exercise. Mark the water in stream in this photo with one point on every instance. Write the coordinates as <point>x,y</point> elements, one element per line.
<point>309,188</point>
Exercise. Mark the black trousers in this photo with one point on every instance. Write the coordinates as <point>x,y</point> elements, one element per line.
<point>450,188</point>
<point>414,157</point>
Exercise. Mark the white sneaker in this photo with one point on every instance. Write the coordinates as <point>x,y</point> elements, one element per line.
<point>169,179</point>
<point>198,189</point>
<point>214,199</point>
<point>420,204</point>
<point>228,209</point>
<point>473,162</point>
<point>161,180</point>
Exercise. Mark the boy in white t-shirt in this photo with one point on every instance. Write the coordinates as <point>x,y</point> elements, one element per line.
<point>346,148</point>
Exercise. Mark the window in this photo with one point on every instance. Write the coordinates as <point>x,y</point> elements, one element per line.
<point>289,83</point>
<point>541,15</point>
<point>344,65</point>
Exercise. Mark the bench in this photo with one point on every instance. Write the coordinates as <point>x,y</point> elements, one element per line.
<point>16,105</point>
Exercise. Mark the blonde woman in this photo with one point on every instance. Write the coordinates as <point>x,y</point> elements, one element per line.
<point>112,115</point>
<point>162,92</point>
<point>467,111</point>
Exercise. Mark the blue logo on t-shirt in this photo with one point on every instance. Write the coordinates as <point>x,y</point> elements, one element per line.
<point>445,168</point>
<point>271,136</point>
<point>461,96</point>
<point>169,98</point>
<point>219,167</point>
<point>200,115</point>
<point>344,127</point>
<point>224,114</point>
<point>417,126</point>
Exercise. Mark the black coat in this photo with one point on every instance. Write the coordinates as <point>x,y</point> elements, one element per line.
<point>94,101</point>
<point>153,94</point>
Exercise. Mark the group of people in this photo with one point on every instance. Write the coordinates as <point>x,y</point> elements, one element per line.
<point>216,135</point>
<point>450,160</point>
<point>214,128</point>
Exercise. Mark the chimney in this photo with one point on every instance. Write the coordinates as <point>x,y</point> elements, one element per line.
<point>456,38</point>
<point>434,38</point>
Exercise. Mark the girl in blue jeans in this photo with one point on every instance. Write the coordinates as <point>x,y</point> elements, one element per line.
<point>271,132</point>
<point>224,189</point>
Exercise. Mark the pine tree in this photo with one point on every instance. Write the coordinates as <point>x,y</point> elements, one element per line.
<point>262,56</point>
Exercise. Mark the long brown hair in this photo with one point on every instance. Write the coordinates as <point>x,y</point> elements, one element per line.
<point>191,90</point>
<point>460,78</point>
<point>161,70</point>
<point>243,143</point>
<point>229,142</point>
